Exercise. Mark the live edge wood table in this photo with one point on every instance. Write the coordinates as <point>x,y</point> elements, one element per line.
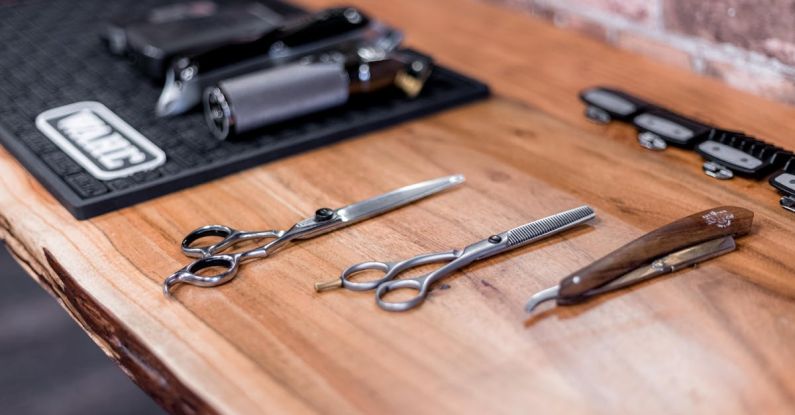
<point>718,338</point>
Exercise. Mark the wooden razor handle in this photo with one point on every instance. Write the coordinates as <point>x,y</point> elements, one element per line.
<point>700,227</point>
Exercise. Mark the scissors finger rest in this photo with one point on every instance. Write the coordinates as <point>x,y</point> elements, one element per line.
<point>192,246</point>
<point>226,267</point>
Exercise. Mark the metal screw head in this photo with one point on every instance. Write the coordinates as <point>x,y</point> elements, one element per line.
<point>188,73</point>
<point>788,202</point>
<point>717,171</point>
<point>352,15</point>
<point>597,115</point>
<point>652,141</point>
<point>278,47</point>
<point>324,214</point>
<point>495,239</point>
<point>658,264</point>
<point>417,66</point>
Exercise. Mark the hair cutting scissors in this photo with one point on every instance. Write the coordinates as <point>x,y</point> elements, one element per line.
<point>456,259</point>
<point>325,220</point>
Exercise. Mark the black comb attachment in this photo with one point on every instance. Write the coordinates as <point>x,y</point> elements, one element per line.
<point>741,154</point>
<point>657,128</point>
<point>606,104</point>
<point>784,181</point>
<point>726,153</point>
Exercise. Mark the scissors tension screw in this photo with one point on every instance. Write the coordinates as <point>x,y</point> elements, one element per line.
<point>495,239</point>
<point>324,214</point>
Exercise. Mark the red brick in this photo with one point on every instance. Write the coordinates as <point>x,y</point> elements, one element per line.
<point>657,50</point>
<point>580,24</point>
<point>562,18</point>
<point>759,81</point>
<point>639,11</point>
<point>765,26</point>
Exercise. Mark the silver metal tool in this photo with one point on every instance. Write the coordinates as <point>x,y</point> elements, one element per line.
<point>667,264</point>
<point>681,243</point>
<point>263,98</point>
<point>456,259</point>
<point>266,97</point>
<point>184,87</point>
<point>788,203</point>
<point>324,221</point>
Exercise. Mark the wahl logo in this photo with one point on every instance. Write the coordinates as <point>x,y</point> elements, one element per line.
<point>100,141</point>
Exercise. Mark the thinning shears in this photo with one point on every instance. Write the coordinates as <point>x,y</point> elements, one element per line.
<point>456,259</point>
<point>324,221</point>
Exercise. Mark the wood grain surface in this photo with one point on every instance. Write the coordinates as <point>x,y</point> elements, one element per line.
<point>717,339</point>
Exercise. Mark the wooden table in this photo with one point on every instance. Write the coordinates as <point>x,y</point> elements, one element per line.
<point>717,339</point>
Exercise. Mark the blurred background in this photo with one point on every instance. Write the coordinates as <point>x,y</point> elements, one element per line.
<point>749,44</point>
<point>48,365</point>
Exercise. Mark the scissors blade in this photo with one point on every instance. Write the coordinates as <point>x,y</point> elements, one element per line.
<point>374,206</point>
<point>549,226</point>
<point>672,262</point>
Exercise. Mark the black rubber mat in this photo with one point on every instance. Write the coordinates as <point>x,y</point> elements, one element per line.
<point>51,55</point>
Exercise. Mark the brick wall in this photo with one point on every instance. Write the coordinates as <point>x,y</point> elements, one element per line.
<point>749,44</point>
